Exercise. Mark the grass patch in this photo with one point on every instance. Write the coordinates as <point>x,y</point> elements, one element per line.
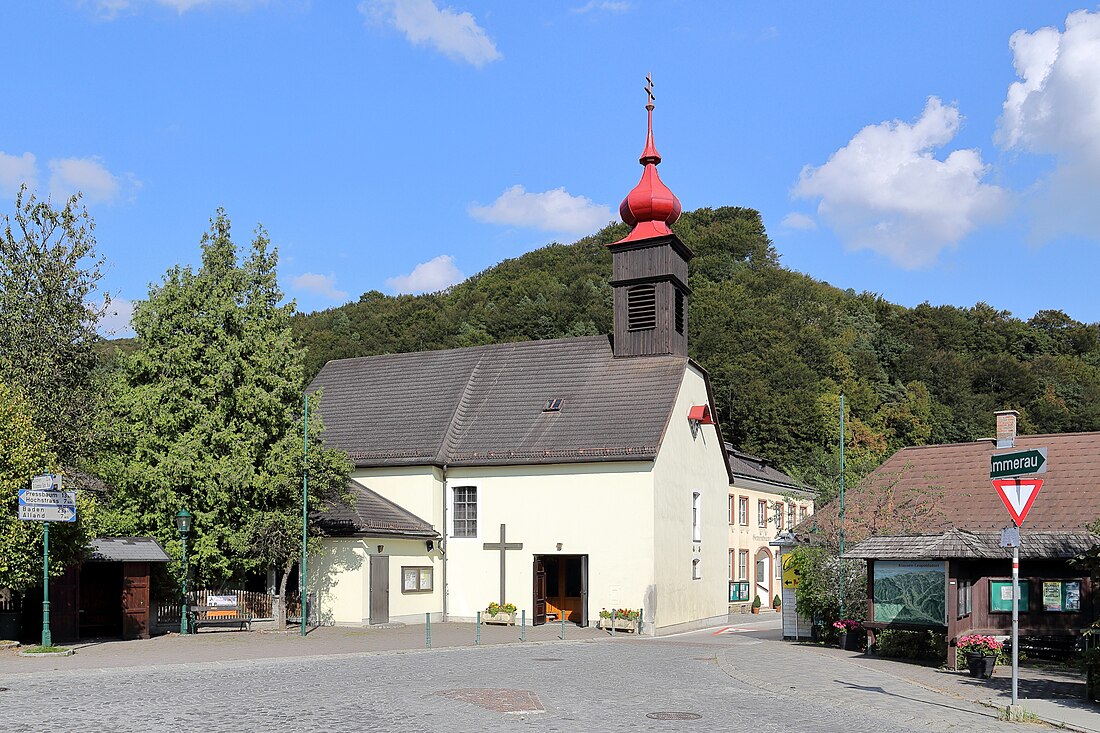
<point>45,650</point>
<point>1019,715</point>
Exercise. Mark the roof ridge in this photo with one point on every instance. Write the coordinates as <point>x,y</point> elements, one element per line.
<point>480,347</point>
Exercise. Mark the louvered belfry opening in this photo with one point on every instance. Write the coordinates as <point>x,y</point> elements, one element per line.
<point>641,303</point>
<point>680,311</point>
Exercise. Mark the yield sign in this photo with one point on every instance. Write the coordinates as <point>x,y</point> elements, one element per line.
<point>1018,494</point>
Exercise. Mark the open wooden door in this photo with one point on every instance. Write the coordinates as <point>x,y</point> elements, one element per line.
<point>584,590</point>
<point>135,600</point>
<point>539,575</point>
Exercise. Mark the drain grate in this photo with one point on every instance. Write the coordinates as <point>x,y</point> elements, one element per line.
<point>549,659</point>
<point>674,716</point>
<point>4,689</point>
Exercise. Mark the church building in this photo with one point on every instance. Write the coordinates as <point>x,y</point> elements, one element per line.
<point>563,476</point>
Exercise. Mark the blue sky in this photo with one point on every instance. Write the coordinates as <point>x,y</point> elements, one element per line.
<point>938,151</point>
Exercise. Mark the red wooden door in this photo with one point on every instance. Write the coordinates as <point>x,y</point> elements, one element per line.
<point>539,593</point>
<point>135,600</point>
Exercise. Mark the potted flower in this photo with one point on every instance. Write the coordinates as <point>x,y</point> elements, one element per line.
<point>756,604</point>
<point>623,619</point>
<point>500,613</point>
<point>849,629</point>
<point>980,652</point>
<point>777,603</point>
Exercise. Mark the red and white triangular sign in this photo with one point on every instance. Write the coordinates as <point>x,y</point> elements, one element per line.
<point>1018,494</point>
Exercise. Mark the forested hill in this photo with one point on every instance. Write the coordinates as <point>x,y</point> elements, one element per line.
<point>780,346</point>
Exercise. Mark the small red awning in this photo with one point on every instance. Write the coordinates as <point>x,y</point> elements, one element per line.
<point>701,414</point>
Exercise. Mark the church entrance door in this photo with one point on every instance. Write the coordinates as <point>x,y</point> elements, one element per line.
<point>564,591</point>
<point>379,589</point>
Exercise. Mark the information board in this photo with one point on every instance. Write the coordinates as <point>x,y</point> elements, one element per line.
<point>1062,596</point>
<point>1000,596</point>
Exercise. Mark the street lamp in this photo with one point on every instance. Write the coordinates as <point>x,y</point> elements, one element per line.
<point>183,524</point>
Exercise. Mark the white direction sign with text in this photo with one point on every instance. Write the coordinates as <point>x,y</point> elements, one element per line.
<point>46,482</point>
<point>47,513</point>
<point>48,498</point>
<point>1018,494</point>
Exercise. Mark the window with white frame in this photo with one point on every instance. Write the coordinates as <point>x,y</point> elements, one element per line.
<point>731,565</point>
<point>696,570</point>
<point>762,513</point>
<point>742,564</point>
<point>743,511</point>
<point>790,516</point>
<point>696,520</point>
<point>778,516</point>
<point>778,567</point>
<point>731,509</point>
<point>464,511</point>
<point>801,513</point>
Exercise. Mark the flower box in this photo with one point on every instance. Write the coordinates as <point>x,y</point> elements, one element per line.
<point>619,624</point>
<point>981,665</point>
<point>505,619</point>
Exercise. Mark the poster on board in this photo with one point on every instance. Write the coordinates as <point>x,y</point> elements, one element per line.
<point>910,592</point>
<point>1052,595</point>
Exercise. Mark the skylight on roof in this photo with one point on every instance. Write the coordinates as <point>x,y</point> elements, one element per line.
<point>553,405</point>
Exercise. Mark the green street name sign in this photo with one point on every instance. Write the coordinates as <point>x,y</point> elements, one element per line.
<point>1019,463</point>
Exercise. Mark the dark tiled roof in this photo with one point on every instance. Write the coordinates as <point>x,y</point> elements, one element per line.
<point>750,467</point>
<point>484,404</point>
<point>955,543</point>
<point>127,549</point>
<point>371,514</point>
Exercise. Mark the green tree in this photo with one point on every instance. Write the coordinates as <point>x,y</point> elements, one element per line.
<point>49,307</point>
<point>23,454</point>
<point>206,414</point>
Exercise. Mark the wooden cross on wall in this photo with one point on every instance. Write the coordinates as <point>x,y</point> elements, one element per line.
<point>503,546</point>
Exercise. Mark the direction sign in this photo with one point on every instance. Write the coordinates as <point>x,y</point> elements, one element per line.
<point>46,482</point>
<point>43,513</point>
<point>1018,463</point>
<point>1018,494</point>
<point>48,498</point>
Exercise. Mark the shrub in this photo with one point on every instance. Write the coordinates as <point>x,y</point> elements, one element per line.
<point>924,645</point>
<point>623,614</point>
<point>495,608</point>
<point>756,602</point>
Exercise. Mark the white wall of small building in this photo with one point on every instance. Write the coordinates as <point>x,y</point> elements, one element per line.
<point>602,510</point>
<point>689,463</point>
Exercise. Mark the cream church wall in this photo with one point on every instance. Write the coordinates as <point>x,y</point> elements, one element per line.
<point>418,489</point>
<point>603,510</point>
<point>687,464</point>
<point>340,577</point>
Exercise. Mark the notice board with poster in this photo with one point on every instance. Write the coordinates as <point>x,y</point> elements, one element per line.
<point>1062,596</point>
<point>1000,596</point>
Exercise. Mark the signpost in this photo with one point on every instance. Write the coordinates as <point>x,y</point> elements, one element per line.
<point>1018,494</point>
<point>45,502</point>
<point>1018,463</point>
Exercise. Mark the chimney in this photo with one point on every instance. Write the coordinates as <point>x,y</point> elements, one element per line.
<point>1006,428</point>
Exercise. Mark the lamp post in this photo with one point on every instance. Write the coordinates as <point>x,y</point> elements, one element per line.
<point>183,524</point>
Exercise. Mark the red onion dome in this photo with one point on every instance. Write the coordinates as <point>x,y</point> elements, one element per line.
<point>650,207</point>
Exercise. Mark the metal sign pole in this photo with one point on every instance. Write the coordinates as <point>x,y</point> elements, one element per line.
<point>46,639</point>
<point>1015,620</point>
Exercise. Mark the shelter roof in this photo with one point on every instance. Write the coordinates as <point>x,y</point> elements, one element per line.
<point>373,515</point>
<point>956,543</point>
<point>126,549</point>
<point>487,405</point>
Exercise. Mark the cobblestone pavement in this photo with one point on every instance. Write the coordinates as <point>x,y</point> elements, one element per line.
<point>734,681</point>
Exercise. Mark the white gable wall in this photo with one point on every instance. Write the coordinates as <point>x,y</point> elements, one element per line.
<point>603,510</point>
<point>687,464</point>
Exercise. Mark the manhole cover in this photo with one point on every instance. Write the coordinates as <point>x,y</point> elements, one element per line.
<point>674,716</point>
<point>549,659</point>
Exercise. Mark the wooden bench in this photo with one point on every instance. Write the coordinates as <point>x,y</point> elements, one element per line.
<point>220,611</point>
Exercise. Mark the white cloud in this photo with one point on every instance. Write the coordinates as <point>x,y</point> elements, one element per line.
<point>88,175</point>
<point>796,220</point>
<point>885,191</point>
<point>454,34</point>
<point>1055,110</point>
<point>116,321</point>
<point>551,211</point>
<point>323,285</point>
<point>16,170</point>
<point>607,6</point>
<point>428,277</point>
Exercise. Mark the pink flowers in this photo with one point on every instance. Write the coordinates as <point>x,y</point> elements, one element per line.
<point>979,644</point>
<point>846,624</point>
